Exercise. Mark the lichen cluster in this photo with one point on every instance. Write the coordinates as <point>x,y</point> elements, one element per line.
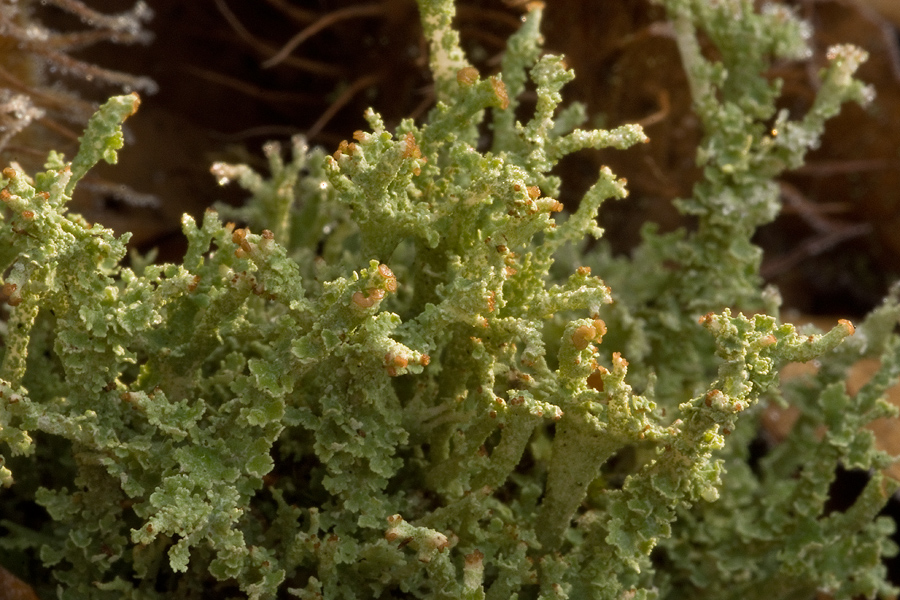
<point>399,375</point>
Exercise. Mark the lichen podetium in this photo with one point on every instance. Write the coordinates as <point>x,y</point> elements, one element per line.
<point>401,376</point>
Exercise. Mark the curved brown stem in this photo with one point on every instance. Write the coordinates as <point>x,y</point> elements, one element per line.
<point>304,64</point>
<point>341,101</point>
<point>351,12</point>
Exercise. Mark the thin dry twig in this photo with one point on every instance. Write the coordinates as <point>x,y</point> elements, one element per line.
<point>807,210</point>
<point>825,168</point>
<point>17,111</point>
<point>251,90</point>
<point>92,72</point>
<point>130,22</point>
<point>829,232</point>
<point>77,40</point>
<point>426,103</point>
<point>327,20</point>
<point>127,196</point>
<point>41,55</point>
<point>812,247</point>
<point>49,98</point>
<point>311,66</point>
<point>665,107</point>
<point>298,15</point>
<point>268,132</point>
<point>59,128</point>
<point>341,101</point>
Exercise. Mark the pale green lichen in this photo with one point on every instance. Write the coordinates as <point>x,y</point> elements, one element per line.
<point>401,378</point>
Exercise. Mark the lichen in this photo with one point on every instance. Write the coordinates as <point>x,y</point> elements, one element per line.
<point>395,372</point>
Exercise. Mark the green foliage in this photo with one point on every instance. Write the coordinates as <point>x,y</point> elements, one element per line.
<point>393,381</point>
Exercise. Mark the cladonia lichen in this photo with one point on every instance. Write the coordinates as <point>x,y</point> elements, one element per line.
<point>395,373</point>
